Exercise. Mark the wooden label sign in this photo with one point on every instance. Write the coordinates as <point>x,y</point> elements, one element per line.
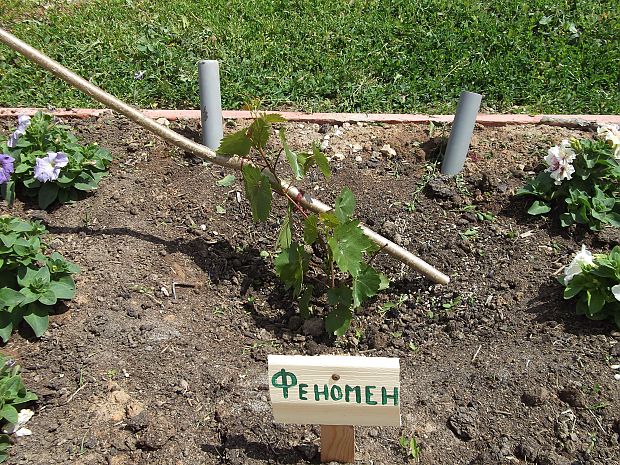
<point>335,390</point>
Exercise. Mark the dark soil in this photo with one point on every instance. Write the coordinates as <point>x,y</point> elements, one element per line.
<point>161,358</point>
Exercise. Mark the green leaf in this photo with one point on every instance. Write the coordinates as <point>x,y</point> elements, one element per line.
<point>25,397</point>
<point>538,208</point>
<point>29,296</point>
<point>571,291</point>
<point>226,181</point>
<point>85,183</point>
<point>285,235</point>
<point>366,284</point>
<point>274,118</point>
<point>306,161</point>
<point>6,325</point>
<point>321,161</point>
<point>348,244</point>
<point>48,298</point>
<point>291,156</point>
<point>9,413</point>
<point>8,239</point>
<point>566,220</point>
<point>329,219</point>
<point>339,318</point>
<point>541,185</point>
<point>31,183</point>
<point>613,218</point>
<point>8,192</point>
<point>290,265</point>
<point>258,192</point>
<point>385,282</point>
<point>10,297</point>
<point>42,274</point>
<point>345,205</point>
<point>311,232</point>
<point>236,143</point>
<point>25,276</point>
<point>47,194</point>
<point>37,318</point>
<point>338,321</point>
<point>258,132</point>
<point>596,302</point>
<point>304,301</point>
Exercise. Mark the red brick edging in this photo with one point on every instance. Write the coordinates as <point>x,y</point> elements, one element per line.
<point>339,118</point>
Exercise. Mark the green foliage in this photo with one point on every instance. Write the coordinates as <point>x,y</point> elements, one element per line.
<point>592,195</point>
<point>13,395</point>
<point>410,447</point>
<point>596,286</point>
<point>258,191</point>
<point>402,56</point>
<point>342,252</point>
<point>87,165</point>
<point>226,181</point>
<point>31,282</point>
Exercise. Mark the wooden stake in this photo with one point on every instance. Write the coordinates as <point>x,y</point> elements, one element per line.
<point>337,443</point>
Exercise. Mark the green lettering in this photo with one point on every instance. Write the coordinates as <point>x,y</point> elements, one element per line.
<point>303,391</point>
<point>317,393</point>
<point>369,395</point>
<point>347,393</point>
<point>336,392</point>
<point>385,396</point>
<point>284,384</point>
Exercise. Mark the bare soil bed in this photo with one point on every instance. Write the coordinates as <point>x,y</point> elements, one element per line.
<point>495,366</point>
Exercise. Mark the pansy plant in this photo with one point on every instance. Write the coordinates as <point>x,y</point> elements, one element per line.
<point>594,281</point>
<point>48,162</point>
<point>581,181</point>
<point>31,281</point>
<point>13,397</point>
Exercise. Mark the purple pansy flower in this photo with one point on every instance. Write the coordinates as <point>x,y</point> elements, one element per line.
<point>6,167</point>
<point>23,122</point>
<point>48,168</point>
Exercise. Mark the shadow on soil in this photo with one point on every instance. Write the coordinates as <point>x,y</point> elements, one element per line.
<point>221,261</point>
<point>239,446</point>
<point>218,259</point>
<point>550,307</point>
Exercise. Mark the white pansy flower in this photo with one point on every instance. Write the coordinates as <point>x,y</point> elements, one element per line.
<point>611,133</point>
<point>18,429</point>
<point>615,290</point>
<point>583,258</point>
<point>560,160</point>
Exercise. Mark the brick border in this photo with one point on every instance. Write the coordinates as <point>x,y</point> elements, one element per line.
<point>339,118</point>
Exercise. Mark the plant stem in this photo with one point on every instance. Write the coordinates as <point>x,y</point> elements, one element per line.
<point>372,257</point>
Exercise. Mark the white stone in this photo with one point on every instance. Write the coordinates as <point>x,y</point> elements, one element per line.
<point>388,150</point>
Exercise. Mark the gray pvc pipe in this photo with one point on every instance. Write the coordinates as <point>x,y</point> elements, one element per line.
<point>210,103</point>
<point>460,136</point>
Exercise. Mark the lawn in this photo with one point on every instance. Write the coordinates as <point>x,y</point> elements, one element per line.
<point>389,56</point>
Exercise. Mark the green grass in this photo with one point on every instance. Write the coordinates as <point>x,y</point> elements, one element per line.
<point>553,56</point>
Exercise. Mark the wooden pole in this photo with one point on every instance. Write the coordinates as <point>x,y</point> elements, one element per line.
<point>338,443</point>
<point>305,199</point>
